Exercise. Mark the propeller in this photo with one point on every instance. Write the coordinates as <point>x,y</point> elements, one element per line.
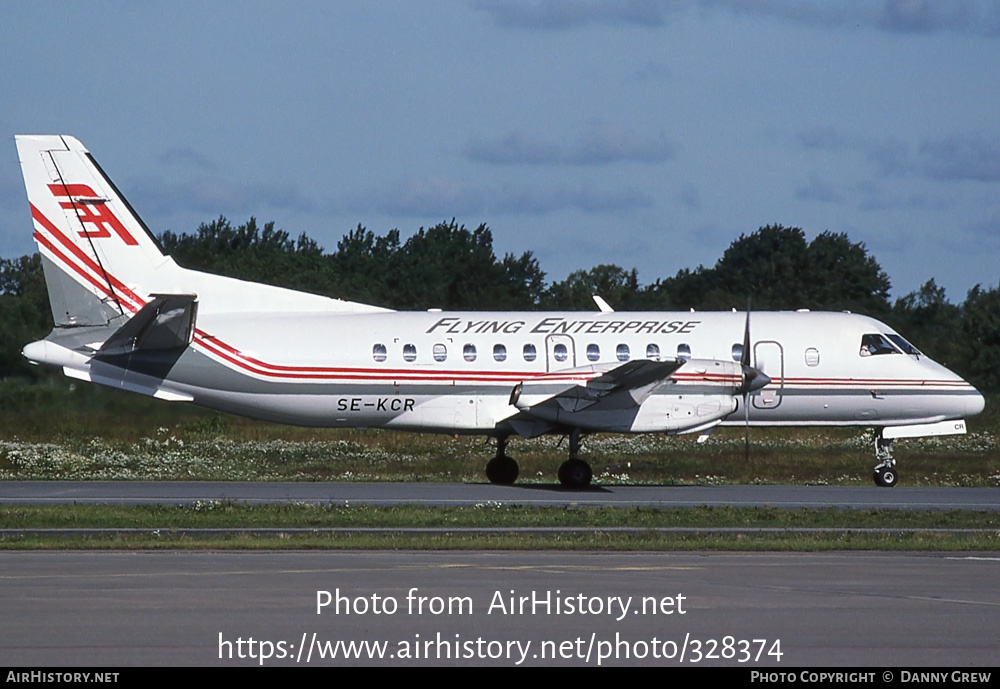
<point>753,379</point>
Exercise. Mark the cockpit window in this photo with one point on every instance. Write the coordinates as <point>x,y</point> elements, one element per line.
<point>904,345</point>
<point>874,344</point>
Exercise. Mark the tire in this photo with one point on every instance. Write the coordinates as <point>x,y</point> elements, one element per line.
<point>886,477</point>
<point>575,473</point>
<point>502,471</point>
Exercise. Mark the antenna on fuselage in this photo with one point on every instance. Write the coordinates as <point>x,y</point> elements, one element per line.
<point>604,306</point>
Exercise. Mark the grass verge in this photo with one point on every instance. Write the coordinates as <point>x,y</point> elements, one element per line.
<point>213,525</point>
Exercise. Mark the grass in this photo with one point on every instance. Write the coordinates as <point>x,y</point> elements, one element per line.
<point>244,452</point>
<point>491,526</point>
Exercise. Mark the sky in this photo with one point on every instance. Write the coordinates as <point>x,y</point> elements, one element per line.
<point>644,134</point>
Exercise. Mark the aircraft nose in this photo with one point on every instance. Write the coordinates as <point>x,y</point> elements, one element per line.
<point>975,403</point>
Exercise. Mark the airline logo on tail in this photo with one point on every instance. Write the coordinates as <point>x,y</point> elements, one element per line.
<point>91,209</point>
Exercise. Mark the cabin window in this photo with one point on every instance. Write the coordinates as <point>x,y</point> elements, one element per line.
<point>499,352</point>
<point>812,357</point>
<point>469,352</point>
<point>653,352</point>
<point>379,352</point>
<point>529,352</point>
<point>684,351</point>
<point>737,352</point>
<point>593,352</point>
<point>622,352</point>
<point>409,352</point>
<point>560,353</point>
<point>440,352</point>
<point>874,344</point>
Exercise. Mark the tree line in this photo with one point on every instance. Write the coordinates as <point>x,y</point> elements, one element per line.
<point>450,267</point>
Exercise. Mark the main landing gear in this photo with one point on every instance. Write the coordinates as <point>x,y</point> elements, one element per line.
<point>573,473</point>
<point>885,474</point>
<point>502,470</point>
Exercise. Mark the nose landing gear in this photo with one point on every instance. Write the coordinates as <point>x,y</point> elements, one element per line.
<point>885,474</point>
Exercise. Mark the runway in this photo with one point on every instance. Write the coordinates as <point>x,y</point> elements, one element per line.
<point>864,610</point>
<point>457,494</point>
<point>776,610</point>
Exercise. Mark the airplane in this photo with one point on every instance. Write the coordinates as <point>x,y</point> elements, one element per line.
<point>128,317</point>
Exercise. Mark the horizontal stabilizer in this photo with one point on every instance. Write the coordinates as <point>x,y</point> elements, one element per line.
<point>165,323</point>
<point>119,384</point>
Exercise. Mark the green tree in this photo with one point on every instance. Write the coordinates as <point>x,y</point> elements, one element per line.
<point>617,286</point>
<point>448,267</point>
<point>930,321</point>
<point>777,269</point>
<point>363,264</point>
<point>25,315</point>
<point>842,276</point>
<point>981,331</point>
<point>250,252</point>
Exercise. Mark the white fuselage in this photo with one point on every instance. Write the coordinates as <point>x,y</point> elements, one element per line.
<point>455,372</point>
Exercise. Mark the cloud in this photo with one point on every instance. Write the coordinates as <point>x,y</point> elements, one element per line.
<point>514,149</point>
<point>653,71</point>
<point>430,196</point>
<point>568,14</point>
<point>689,196</point>
<point>965,157</point>
<point>986,232</point>
<point>818,189</point>
<point>893,156</point>
<point>977,17</point>
<point>827,13</point>
<point>970,158</point>
<point>441,197</point>
<point>187,158</point>
<point>533,200</point>
<point>973,17</point>
<point>933,16</point>
<point>212,196</point>
<point>602,144</point>
<point>825,138</point>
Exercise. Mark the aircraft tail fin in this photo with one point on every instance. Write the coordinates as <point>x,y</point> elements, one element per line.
<point>97,254</point>
<point>101,262</point>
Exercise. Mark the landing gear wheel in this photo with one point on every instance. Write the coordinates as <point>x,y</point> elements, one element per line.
<point>885,471</point>
<point>575,473</point>
<point>885,477</point>
<point>502,470</point>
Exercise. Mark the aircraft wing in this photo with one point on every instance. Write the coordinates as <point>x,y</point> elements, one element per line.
<point>623,386</point>
<point>608,399</point>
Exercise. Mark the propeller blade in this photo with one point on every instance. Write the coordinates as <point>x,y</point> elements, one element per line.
<point>746,432</point>
<point>752,380</point>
